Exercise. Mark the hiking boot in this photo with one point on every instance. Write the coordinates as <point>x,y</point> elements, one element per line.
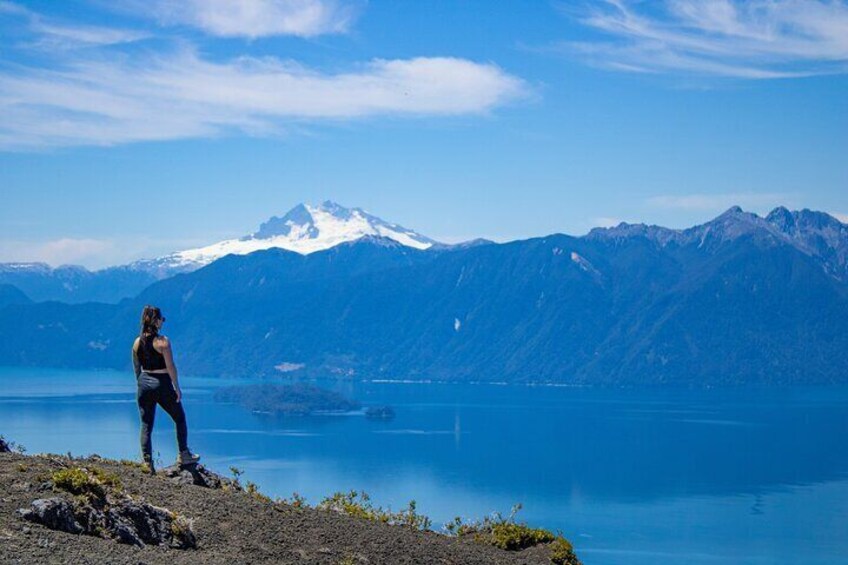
<point>148,466</point>
<point>188,458</point>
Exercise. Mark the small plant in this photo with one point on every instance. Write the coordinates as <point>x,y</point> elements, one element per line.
<point>182,531</point>
<point>236,473</point>
<point>507,534</point>
<point>133,464</point>
<point>515,537</point>
<point>87,484</point>
<point>358,505</point>
<point>411,518</point>
<point>562,552</point>
<point>296,501</point>
<point>106,478</point>
<point>351,503</point>
<point>347,560</point>
<point>79,481</point>
<point>180,525</point>
<point>253,490</point>
<point>22,468</point>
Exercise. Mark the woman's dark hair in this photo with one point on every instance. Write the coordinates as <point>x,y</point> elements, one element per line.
<point>149,316</point>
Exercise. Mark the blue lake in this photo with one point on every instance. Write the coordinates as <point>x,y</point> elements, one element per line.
<point>630,476</point>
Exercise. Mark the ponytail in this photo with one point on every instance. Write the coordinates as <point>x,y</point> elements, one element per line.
<point>149,316</point>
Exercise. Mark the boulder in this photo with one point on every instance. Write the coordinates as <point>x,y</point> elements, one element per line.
<point>55,513</point>
<point>128,521</point>
<point>140,523</point>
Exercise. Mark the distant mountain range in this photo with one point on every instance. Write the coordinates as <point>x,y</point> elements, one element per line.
<point>304,229</point>
<point>741,299</point>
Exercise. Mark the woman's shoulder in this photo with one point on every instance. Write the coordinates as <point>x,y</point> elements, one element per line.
<point>161,341</point>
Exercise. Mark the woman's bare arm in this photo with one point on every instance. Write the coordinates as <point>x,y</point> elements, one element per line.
<point>136,363</point>
<point>167,352</point>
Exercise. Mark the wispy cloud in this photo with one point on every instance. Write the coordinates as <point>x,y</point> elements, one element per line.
<point>605,222</point>
<point>97,253</point>
<point>841,217</point>
<point>111,100</point>
<point>752,39</point>
<point>54,34</point>
<point>256,18</point>
<point>109,94</point>
<point>63,251</point>
<point>720,202</point>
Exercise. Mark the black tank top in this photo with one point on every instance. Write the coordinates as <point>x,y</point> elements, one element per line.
<point>150,359</point>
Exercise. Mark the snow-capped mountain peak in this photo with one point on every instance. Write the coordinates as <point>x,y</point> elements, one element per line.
<point>304,229</point>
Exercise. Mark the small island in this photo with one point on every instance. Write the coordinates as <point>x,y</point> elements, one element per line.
<point>380,412</point>
<point>295,399</point>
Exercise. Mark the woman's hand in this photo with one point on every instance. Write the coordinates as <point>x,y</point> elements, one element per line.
<point>179,393</point>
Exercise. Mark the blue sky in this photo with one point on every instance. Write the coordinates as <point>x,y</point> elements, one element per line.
<point>130,129</point>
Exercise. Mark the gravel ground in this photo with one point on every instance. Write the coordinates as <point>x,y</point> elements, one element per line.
<point>231,527</point>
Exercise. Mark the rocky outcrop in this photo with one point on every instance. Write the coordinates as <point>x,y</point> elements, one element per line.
<point>130,522</point>
<point>198,475</point>
<point>100,507</point>
<point>55,513</point>
<point>4,447</point>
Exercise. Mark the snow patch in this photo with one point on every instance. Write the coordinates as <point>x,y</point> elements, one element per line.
<point>310,229</point>
<point>583,263</point>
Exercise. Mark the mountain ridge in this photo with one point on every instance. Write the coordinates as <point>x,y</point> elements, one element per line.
<point>304,229</point>
<point>749,308</point>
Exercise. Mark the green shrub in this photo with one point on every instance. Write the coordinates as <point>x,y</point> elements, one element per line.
<point>515,537</point>
<point>78,481</point>
<point>89,483</point>
<point>507,534</point>
<point>562,553</point>
<point>106,478</point>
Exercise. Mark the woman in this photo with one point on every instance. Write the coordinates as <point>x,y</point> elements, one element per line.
<point>156,374</point>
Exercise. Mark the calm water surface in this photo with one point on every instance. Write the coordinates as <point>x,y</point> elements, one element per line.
<point>631,477</point>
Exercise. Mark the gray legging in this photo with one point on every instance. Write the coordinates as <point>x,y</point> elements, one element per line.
<point>153,389</point>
